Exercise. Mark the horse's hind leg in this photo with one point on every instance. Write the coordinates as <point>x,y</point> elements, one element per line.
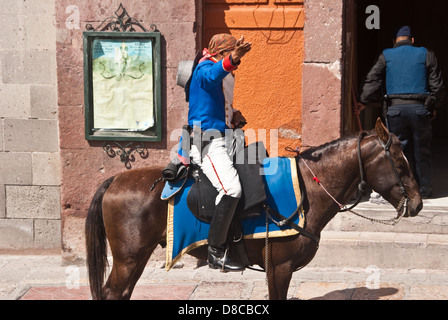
<point>131,246</point>
<point>124,275</point>
<point>135,223</point>
<point>131,243</point>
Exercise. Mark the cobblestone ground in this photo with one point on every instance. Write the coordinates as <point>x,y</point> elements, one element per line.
<point>42,277</point>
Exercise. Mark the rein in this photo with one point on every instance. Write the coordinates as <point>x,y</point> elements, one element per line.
<point>402,206</point>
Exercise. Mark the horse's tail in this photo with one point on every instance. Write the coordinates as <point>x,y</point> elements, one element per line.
<point>96,242</point>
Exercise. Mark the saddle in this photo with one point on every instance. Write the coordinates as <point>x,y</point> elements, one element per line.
<point>202,194</point>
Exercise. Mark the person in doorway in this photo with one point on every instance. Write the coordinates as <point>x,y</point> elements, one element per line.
<point>211,113</point>
<point>413,86</point>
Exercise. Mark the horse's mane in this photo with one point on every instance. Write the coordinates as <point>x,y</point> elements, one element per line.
<point>315,152</point>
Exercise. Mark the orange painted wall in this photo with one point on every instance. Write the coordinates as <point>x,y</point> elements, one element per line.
<point>269,80</point>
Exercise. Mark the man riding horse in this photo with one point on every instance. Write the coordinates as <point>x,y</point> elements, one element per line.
<point>211,114</point>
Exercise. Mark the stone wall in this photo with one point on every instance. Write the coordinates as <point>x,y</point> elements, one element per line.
<point>85,165</point>
<point>29,147</point>
<point>48,171</point>
<point>321,83</point>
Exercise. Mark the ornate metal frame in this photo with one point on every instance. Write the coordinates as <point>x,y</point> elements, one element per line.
<point>126,156</point>
<point>121,22</point>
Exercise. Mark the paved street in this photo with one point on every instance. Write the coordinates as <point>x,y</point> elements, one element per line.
<point>43,277</point>
<point>357,260</point>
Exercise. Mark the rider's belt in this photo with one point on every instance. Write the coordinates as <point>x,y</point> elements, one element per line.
<point>202,139</point>
<point>397,101</point>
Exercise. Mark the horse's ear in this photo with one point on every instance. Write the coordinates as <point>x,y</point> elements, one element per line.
<point>381,131</point>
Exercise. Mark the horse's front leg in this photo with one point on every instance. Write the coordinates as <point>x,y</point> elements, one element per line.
<point>279,278</point>
<point>279,271</point>
<point>286,255</point>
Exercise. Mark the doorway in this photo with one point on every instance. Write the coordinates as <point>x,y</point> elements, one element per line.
<point>363,46</point>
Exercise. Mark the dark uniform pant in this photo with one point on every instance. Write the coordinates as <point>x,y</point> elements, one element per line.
<point>412,125</point>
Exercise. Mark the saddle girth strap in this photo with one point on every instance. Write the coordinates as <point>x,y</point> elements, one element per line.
<point>287,221</point>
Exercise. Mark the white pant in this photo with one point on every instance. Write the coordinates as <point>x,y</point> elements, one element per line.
<point>217,165</point>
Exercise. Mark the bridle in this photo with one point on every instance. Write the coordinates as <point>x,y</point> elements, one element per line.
<point>402,205</point>
<point>362,187</point>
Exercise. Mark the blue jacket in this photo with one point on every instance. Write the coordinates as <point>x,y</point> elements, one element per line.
<point>207,101</point>
<point>206,98</point>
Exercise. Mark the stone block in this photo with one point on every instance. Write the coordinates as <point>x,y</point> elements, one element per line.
<point>10,7</point>
<point>426,292</point>
<point>16,234</point>
<point>2,202</point>
<point>28,67</point>
<point>176,50</point>
<point>324,291</point>
<point>73,239</point>
<point>40,32</point>
<point>47,234</point>
<point>323,32</point>
<point>2,142</point>
<point>44,102</point>
<point>83,172</point>
<point>384,291</point>
<point>175,102</point>
<point>12,38</point>
<point>15,100</point>
<point>321,104</point>
<point>70,86</point>
<point>71,127</point>
<point>224,290</point>
<point>46,169</point>
<point>36,202</point>
<point>69,44</point>
<point>15,168</point>
<point>146,12</point>
<point>75,193</point>
<point>38,7</point>
<point>88,10</point>
<point>31,135</point>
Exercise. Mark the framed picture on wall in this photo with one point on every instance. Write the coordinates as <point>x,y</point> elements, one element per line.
<point>122,86</point>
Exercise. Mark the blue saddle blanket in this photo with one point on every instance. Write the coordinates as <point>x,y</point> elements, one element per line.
<point>185,232</point>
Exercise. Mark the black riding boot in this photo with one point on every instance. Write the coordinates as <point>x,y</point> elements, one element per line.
<point>217,236</point>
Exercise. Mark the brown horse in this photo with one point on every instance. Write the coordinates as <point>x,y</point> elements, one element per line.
<point>133,218</point>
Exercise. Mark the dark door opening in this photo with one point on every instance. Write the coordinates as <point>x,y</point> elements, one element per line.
<point>362,47</point>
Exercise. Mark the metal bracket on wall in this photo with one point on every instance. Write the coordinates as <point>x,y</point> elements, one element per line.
<point>121,22</point>
<point>126,156</point>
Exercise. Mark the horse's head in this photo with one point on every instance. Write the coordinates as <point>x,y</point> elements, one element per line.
<point>388,172</point>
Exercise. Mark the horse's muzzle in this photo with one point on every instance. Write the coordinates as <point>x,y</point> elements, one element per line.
<point>415,205</point>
